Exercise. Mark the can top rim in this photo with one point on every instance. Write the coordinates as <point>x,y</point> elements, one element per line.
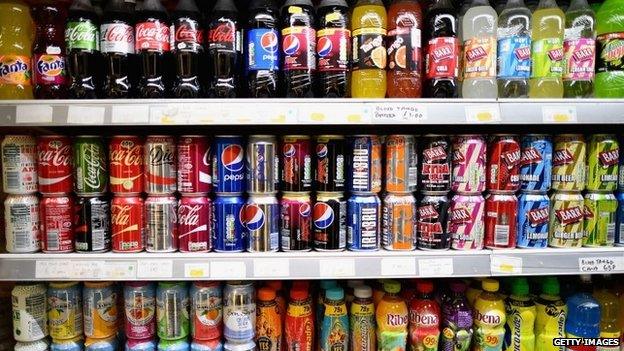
<point>336,136</point>
<point>159,136</point>
<point>193,135</point>
<point>504,134</point>
<point>52,136</point>
<point>295,136</point>
<point>296,193</point>
<point>125,136</point>
<point>88,135</point>
<point>570,134</point>
<point>435,135</point>
<point>228,136</point>
<point>262,136</point>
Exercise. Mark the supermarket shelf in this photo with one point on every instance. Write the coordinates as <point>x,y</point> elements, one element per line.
<point>308,112</point>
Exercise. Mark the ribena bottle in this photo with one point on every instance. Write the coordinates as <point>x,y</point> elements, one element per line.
<point>49,60</point>
<point>224,50</point>
<point>117,45</point>
<point>404,49</point>
<point>262,52</point>
<point>152,44</point>
<point>82,40</point>
<point>188,49</point>
<point>442,52</point>
<point>299,48</point>
<point>333,49</point>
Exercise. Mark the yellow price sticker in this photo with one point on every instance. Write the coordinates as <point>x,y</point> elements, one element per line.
<point>561,117</point>
<point>354,118</point>
<point>196,273</point>
<point>430,341</point>
<point>484,116</point>
<point>317,116</point>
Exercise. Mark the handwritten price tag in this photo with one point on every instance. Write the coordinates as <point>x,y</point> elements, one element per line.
<point>559,114</point>
<point>155,269</point>
<point>398,113</point>
<point>398,266</point>
<point>119,270</point>
<point>435,267</point>
<point>601,264</point>
<point>337,268</point>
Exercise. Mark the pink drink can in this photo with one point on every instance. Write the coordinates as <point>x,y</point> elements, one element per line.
<point>469,162</point>
<point>466,222</point>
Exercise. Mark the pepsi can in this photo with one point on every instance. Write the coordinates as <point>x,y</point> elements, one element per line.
<point>619,224</point>
<point>262,164</point>
<point>296,214</point>
<point>261,218</point>
<point>228,164</point>
<point>330,163</point>
<point>533,216</point>
<point>363,222</point>
<point>536,162</point>
<point>228,230</point>
<point>296,163</point>
<point>329,217</point>
<point>364,164</point>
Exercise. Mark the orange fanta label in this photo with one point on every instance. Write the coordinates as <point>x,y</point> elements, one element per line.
<point>15,70</point>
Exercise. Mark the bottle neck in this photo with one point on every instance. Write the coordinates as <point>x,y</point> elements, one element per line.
<point>577,5</point>
<point>515,3</point>
<point>547,4</point>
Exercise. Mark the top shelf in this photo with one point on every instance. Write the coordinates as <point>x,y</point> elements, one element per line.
<point>308,112</point>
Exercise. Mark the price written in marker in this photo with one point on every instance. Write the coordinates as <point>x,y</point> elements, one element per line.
<point>398,266</point>
<point>155,269</point>
<point>435,267</point>
<point>601,264</point>
<point>399,113</point>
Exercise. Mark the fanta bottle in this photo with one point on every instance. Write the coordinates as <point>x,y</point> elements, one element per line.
<point>583,316</point>
<point>519,331</point>
<point>456,320</point>
<point>610,323</point>
<point>335,330</point>
<point>362,323</point>
<point>424,319</point>
<point>392,319</point>
<point>489,318</point>
<point>474,290</point>
<point>609,81</point>
<point>268,321</point>
<point>550,317</point>
<point>16,38</point>
<point>299,323</point>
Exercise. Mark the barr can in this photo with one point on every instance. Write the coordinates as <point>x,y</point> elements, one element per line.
<point>140,310</point>
<point>401,164</point>
<point>128,223</point>
<point>54,164</point>
<point>172,301</point>
<point>330,163</point>
<point>239,312</point>
<point>194,165</point>
<point>566,220</point>
<point>466,222</point>
<point>533,217</point>
<point>568,173</point>
<point>329,219</point>
<point>56,224</point>
<point>90,172</point>
<point>21,223</point>
<point>19,164</point>
<point>364,164</point>
<point>194,224</point>
<point>92,228</point>
<point>501,213</point>
<point>296,222</point>
<point>399,222</point>
<point>435,158</point>
<point>228,164</point>
<point>603,156</point>
<point>363,222</point>
<point>261,218</point>
<point>100,309</point>
<point>125,155</point>
<point>30,320</point>
<point>296,163</point>
<point>469,161</point>
<point>64,304</point>
<point>160,164</point>
<point>503,168</point>
<point>229,234</point>
<point>262,164</point>
<point>599,225</point>
<point>206,310</point>
<point>536,162</point>
<point>431,230</point>
<point>161,228</point>
<point>619,228</point>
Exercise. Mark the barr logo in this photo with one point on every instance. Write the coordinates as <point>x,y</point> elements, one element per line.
<point>530,155</point>
<point>434,154</point>
<point>523,53</point>
<point>609,158</point>
<point>476,53</point>
<point>50,65</point>
<point>427,212</point>
<point>569,215</point>
<point>562,157</point>
<point>538,216</point>
<point>460,215</point>
<point>555,54</point>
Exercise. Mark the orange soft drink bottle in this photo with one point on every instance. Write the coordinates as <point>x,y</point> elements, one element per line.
<point>268,321</point>
<point>392,319</point>
<point>16,38</point>
<point>404,49</point>
<point>299,323</point>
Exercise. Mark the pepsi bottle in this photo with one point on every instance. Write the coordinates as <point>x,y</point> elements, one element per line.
<point>224,50</point>
<point>187,50</point>
<point>262,52</point>
<point>333,48</point>
<point>299,48</point>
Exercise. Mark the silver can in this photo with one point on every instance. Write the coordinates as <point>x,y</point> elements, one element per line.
<point>30,319</point>
<point>261,218</point>
<point>21,223</point>
<point>239,311</point>
<point>19,164</point>
<point>172,312</point>
<point>262,164</point>
<point>160,165</point>
<point>161,223</point>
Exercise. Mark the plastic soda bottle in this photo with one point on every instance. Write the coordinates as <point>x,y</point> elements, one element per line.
<point>547,51</point>
<point>521,312</point>
<point>335,330</point>
<point>16,38</point>
<point>378,291</point>
<point>583,316</point>
<point>362,320</point>
<point>489,318</point>
<point>392,319</point>
<point>579,46</point>
<point>299,323</point>
<point>424,318</point>
<point>474,290</point>
<point>550,317</point>
<point>268,321</point>
<point>442,51</point>
<point>479,34</point>
<point>610,324</point>
<point>320,304</point>
<point>610,65</point>
<point>49,72</point>
<point>514,50</point>
<point>333,49</point>
<point>368,31</point>
<point>456,320</point>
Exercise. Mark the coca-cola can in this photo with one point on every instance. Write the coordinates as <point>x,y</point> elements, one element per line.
<point>431,230</point>
<point>503,168</point>
<point>92,224</point>
<point>56,224</point>
<point>21,223</point>
<point>160,165</point>
<point>501,213</point>
<point>194,215</point>
<point>128,224</point>
<point>54,164</point>
<point>19,164</point>
<point>125,153</point>
<point>161,230</point>
<point>194,165</point>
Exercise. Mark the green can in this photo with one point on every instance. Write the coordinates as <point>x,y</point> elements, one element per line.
<point>90,171</point>
<point>602,162</point>
<point>566,220</point>
<point>600,211</point>
<point>172,312</point>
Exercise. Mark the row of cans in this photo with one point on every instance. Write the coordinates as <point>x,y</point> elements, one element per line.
<point>115,344</point>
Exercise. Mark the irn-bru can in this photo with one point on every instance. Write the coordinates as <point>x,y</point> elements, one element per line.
<point>172,301</point>
<point>100,309</point>
<point>619,227</point>
<point>206,310</point>
<point>503,168</point>
<point>262,164</point>
<point>363,222</point>
<point>173,345</point>
<point>207,345</point>
<point>401,164</point>
<point>533,212</point>
<point>228,164</point>
<point>566,220</point>
<point>141,345</point>
<point>261,218</point>
<point>466,222</point>
<point>568,173</point>
<point>469,161</point>
<point>101,344</point>
<point>296,222</point>
<point>330,163</point>
<point>435,158</point>
<point>501,213</point>
<point>296,163</point>
<point>432,220</point>
<point>228,231</point>
<point>399,222</point>
<point>536,162</point>
<point>239,312</point>
<point>65,310</point>
<point>329,219</point>
<point>599,226</point>
<point>364,164</point>
<point>140,310</point>
<point>603,155</point>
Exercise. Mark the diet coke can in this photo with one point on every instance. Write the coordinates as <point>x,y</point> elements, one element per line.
<point>469,156</point>
<point>21,223</point>
<point>432,220</point>
<point>125,153</point>
<point>160,165</point>
<point>19,164</point>
<point>54,164</point>
<point>261,218</point>
<point>194,223</point>
<point>466,222</point>
<point>330,163</point>
<point>296,163</point>
<point>92,224</point>
<point>401,164</point>
<point>435,171</point>
<point>262,164</point>
<point>161,219</point>
<point>128,224</point>
<point>194,171</point>
<point>56,217</point>
<point>503,172</point>
<point>329,218</point>
<point>501,213</point>
<point>296,222</point>
<point>399,222</point>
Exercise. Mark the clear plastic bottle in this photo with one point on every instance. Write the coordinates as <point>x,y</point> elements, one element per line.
<point>579,46</point>
<point>514,50</point>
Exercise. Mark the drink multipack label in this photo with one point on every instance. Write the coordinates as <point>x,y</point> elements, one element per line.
<point>262,49</point>
<point>15,70</point>
<point>580,58</point>
<point>299,46</point>
<point>514,57</point>
<point>442,60</point>
<point>50,69</point>
<point>548,58</point>
<point>479,58</point>
<point>82,35</point>
<point>332,48</point>
<point>404,49</point>
<point>610,52</point>
<point>368,48</point>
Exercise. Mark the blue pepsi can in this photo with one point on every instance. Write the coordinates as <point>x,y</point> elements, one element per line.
<point>141,345</point>
<point>364,164</point>
<point>207,345</point>
<point>363,222</point>
<point>261,218</point>
<point>174,345</point>
<point>108,344</point>
<point>533,216</point>
<point>536,162</point>
<point>228,164</point>
<point>75,344</point>
<point>228,230</point>
<point>619,224</point>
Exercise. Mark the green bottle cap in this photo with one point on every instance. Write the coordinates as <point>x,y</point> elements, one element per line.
<point>520,287</point>
<point>392,286</point>
<point>550,286</point>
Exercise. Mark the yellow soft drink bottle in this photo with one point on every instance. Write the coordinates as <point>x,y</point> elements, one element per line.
<point>520,310</point>
<point>551,316</point>
<point>16,37</point>
<point>610,324</point>
<point>490,318</point>
<point>368,30</point>
<point>392,319</point>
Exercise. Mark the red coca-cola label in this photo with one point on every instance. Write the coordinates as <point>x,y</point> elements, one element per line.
<point>194,224</point>
<point>569,215</point>
<point>127,224</point>
<point>153,36</point>
<point>530,155</point>
<point>188,35</point>
<point>441,59</point>
<point>126,164</point>
<point>562,157</point>
<point>223,35</point>
<point>427,212</point>
<point>333,46</point>
<point>117,38</point>
<point>436,153</point>
<point>194,166</point>
<point>54,165</point>
<point>609,158</point>
<point>56,224</point>
<point>538,216</point>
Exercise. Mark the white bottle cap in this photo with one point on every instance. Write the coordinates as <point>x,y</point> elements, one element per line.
<point>363,292</point>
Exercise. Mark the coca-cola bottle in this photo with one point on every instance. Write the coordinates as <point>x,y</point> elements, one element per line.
<point>50,75</point>
<point>153,47</point>
<point>117,45</point>
<point>82,40</point>
<point>262,54</point>
<point>188,50</point>
<point>224,50</point>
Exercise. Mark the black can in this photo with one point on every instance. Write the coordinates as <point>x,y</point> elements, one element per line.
<point>92,224</point>
<point>431,229</point>
<point>330,163</point>
<point>329,217</point>
<point>436,157</point>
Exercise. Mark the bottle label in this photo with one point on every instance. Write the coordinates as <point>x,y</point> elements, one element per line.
<point>610,52</point>
<point>442,57</point>
<point>404,49</point>
<point>117,38</point>
<point>188,35</point>
<point>368,48</point>
<point>548,58</point>
<point>50,69</point>
<point>153,36</point>
<point>580,56</point>
<point>299,46</point>
<point>479,56</point>
<point>262,50</point>
<point>335,328</point>
<point>514,57</point>
<point>82,36</point>
<point>15,70</point>
<point>332,49</point>
<point>223,35</point>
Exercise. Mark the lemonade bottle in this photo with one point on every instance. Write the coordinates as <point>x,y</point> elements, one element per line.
<point>489,319</point>
<point>579,46</point>
<point>514,50</point>
<point>609,81</point>
<point>16,38</point>
<point>610,323</point>
<point>362,323</point>
<point>368,29</point>
<point>392,319</point>
<point>551,316</point>
<point>547,51</point>
<point>335,331</point>
<point>519,334</point>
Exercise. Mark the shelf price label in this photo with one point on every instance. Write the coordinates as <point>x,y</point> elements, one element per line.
<point>435,267</point>
<point>271,268</point>
<point>196,270</point>
<point>407,113</point>
<point>601,264</point>
<point>129,114</point>
<point>155,269</point>
<point>483,114</point>
<point>398,266</point>
<point>559,114</point>
<point>337,268</point>
<point>33,114</point>
<point>228,270</point>
<point>86,115</point>
<point>506,265</point>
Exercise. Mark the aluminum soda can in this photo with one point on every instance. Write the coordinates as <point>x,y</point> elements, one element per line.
<point>249,345</point>
<point>99,344</point>
<point>533,218</point>
<point>401,164</point>
<point>128,223</point>
<point>399,222</point>
<point>21,221</point>
<point>64,305</point>
<point>229,234</point>
<point>194,224</point>
<point>431,230</point>
<point>141,344</point>
<point>603,156</point>
<point>568,173</point>
<point>363,222</point>
<point>466,222</point>
<point>54,164</point>
<point>90,166</point>
<point>19,164</point>
<point>296,222</point>
<point>296,163</point>
<point>566,220</point>
<point>207,345</point>
<point>30,320</point>
<point>262,164</point>
<point>239,312</point>
<point>173,345</point>
<point>172,300</point>
<point>92,228</point>
<point>329,173</point>
<point>501,215</point>
<point>161,223</point>
<point>100,309</point>
<point>619,227</point>
<point>125,157</point>
<point>56,216</point>
<point>194,165</point>
<point>364,164</point>
<point>228,164</point>
<point>261,218</point>
<point>139,310</point>
<point>74,344</point>
<point>160,165</point>
<point>600,210</point>
<point>469,161</point>
<point>329,219</point>
<point>435,158</point>
<point>621,172</point>
<point>503,168</point>
<point>206,310</point>
<point>536,162</point>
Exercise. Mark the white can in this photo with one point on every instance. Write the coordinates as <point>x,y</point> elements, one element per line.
<point>21,223</point>
<point>19,164</point>
<point>30,320</point>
